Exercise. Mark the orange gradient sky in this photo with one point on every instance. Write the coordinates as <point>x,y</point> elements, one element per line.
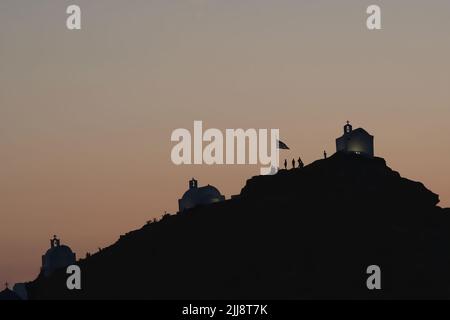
<point>86,116</point>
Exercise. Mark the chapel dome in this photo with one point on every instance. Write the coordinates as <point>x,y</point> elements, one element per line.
<point>195,196</point>
<point>58,256</point>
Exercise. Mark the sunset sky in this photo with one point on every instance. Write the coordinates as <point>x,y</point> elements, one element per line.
<point>86,116</point>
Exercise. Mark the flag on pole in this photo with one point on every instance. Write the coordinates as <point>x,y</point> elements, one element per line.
<point>282,145</point>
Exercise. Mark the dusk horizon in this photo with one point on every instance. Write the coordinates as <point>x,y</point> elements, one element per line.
<point>87,115</point>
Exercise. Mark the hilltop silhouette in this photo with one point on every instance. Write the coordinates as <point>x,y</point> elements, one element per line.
<point>305,233</point>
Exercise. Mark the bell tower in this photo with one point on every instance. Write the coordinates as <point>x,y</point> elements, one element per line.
<point>193,184</point>
<point>54,242</point>
<point>348,128</point>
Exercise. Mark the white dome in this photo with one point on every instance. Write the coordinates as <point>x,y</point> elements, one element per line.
<point>199,196</point>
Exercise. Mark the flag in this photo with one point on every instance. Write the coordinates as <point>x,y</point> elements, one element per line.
<point>282,145</point>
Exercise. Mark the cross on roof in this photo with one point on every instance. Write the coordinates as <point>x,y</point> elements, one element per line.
<point>7,285</point>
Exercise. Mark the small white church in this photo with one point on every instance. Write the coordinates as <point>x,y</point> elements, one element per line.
<point>357,141</point>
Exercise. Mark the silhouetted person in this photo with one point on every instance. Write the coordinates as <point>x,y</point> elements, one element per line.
<point>325,154</point>
<point>285,164</point>
<point>300,163</point>
<point>293,163</point>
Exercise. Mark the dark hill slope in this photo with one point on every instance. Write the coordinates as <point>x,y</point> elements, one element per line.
<point>304,233</point>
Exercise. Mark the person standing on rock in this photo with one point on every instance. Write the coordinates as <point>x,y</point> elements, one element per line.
<point>300,163</point>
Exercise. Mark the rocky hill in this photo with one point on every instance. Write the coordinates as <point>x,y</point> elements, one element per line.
<point>300,234</point>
